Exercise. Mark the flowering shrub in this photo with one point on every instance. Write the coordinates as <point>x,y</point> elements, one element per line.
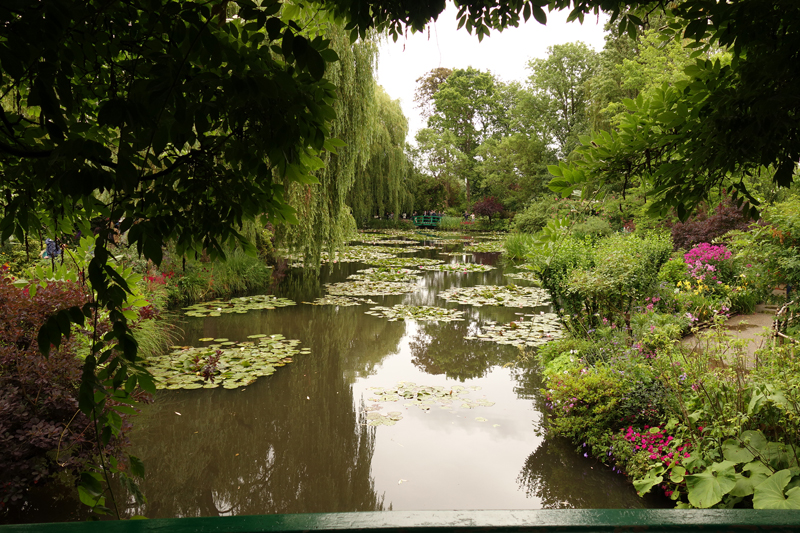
<point>709,263</point>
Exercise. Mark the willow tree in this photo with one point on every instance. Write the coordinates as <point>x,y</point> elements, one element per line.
<point>380,185</point>
<point>324,217</point>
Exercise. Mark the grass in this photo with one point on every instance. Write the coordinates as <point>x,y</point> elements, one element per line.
<point>517,245</point>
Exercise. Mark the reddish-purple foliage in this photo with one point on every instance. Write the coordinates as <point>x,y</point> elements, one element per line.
<point>41,429</point>
<point>487,207</point>
<point>704,228</point>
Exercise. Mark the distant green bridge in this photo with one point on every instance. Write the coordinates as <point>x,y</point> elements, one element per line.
<point>427,221</point>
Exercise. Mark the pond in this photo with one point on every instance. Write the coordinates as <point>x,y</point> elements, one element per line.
<point>303,439</point>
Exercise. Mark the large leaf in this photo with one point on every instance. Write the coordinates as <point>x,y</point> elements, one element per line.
<point>753,474</point>
<point>769,494</point>
<point>643,486</point>
<point>708,487</point>
<point>744,449</point>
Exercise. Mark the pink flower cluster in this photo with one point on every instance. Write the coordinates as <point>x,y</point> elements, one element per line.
<point>705,258</point>
<point>659,444</point>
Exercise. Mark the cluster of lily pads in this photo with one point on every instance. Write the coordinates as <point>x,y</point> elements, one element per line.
<point>398,262</point>
<point>508,296</point>
<point>525,276</point>
<point>387,274</point>
<point>423,397</point>
<point>485,247</point>
<point>456,253</point>
<point>239,305</point>
<point>341,301</point>
<point>236,365</point>
<point>458,267</point>
<point>531,330</point>
<point>416,312</point>
<point>370,288</point>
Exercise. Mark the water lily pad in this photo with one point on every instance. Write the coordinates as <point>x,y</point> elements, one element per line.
<point>404,262</point>
<point>507,296</point>
<point>458,267</point>
<point>387,274</point>
<point>206,339</point>
<point>237,305</point>
<point>422,397</point>
<point>535,331</point>
<point>369,288</point>
<point>485,247</point>
<point>417,312</point>
<point>340,301</point>
<point>238,365</point>
<point>525,276</point>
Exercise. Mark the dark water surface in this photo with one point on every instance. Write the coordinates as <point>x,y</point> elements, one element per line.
<point>298,442</point>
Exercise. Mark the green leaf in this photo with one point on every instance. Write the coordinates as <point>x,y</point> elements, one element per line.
<point>677,474</point>
<point>643,486</point>
<point>752,474</point>
<point>137,466</point>
<point>769,493</point>
<point>707,488</point>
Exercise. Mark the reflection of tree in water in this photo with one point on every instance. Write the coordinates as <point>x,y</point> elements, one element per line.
<point>564,479</point>
<point>561,477</point>
<point>440,348</point>
<point>290,443</point>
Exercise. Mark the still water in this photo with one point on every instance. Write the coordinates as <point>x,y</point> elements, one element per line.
<point>298,441</point>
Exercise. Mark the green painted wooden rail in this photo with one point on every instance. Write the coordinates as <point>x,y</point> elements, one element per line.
<point>429,221</point>
<point>544,521</point>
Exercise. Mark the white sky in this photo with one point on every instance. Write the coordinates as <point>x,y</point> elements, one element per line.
<point>504,54</point>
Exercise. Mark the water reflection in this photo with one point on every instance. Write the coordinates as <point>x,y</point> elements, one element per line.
<point>440,348</point>
<point>295,442</point>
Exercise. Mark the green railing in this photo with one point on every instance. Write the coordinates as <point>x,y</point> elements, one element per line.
<point>545,521</point>
<point>427,220</point>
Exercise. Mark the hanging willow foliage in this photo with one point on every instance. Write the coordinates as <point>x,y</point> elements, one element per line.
<point>322,209</point>
<point>380,186</point>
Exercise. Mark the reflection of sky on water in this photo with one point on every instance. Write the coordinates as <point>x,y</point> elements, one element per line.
<point>297,441</point>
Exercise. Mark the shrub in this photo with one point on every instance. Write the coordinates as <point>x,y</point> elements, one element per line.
<point>42,432</point>
<point>592,227</point>
<point>673,271</point>
<point>709,263</point>
<point>532,219</point>
<point>705,228</point>
<point>516,245</point>
<point>625,270</point>
<point>488,207</point>
<point>450,223</point>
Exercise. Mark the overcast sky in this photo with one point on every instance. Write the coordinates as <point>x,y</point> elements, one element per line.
<point>505,54</point>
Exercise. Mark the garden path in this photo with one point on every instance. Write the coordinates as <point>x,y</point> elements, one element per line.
<point>754,329</point>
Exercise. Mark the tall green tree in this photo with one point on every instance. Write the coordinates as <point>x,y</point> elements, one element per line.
<point>324,215</point>
<point>514,169</point>
<point>380,185</point>
<point>559,84</point>
<point>466,106</point>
